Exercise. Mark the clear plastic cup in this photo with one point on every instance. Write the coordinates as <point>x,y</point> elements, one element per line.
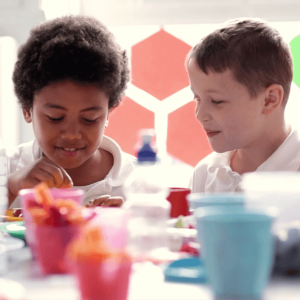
<point>212,199</point>
<point>27,197</point>
<point>277,189</point>
<point>114,224</point>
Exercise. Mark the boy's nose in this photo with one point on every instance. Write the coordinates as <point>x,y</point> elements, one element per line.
<point>71,131</point>
<point>202,113</point>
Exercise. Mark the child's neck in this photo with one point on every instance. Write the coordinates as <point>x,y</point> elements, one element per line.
<point>248,160</point>
<point>93,170</point>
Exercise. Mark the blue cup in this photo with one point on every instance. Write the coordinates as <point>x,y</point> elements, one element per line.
<point>237,248</point>
<point>212,199</point>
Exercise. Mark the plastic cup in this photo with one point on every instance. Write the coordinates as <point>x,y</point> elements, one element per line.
<point>106,280</point>
<point>179,204</point>
<point>212,199</point>
<point>237,248</point>
<point>277,189</point>
<point>114,224</point>
<point>27,196</point>
<point>51,245</point>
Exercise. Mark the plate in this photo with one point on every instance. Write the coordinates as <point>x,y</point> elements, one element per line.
<point>15,229</point>
<point>10,216</point>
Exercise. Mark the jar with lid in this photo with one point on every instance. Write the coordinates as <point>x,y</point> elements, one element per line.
<point>146,193</point>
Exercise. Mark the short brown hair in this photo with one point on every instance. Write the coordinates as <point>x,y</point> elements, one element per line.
<point>254,51</point>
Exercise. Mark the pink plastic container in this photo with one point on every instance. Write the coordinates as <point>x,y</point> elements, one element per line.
<point>114,224</point>
<point>27,196</point>
<point>51,245</point>
<point>107,280</point>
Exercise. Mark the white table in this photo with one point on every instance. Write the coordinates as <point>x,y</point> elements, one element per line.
<point>146,283</point>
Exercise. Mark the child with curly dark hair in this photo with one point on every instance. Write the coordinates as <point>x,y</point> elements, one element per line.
<point>68,77</point>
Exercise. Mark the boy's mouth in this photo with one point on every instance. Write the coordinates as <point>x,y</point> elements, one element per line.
<point>212,133</point>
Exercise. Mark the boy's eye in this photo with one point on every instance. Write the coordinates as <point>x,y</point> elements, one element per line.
<point>55,119</point>
<point>216,102</point>
<point>90,121</point>
<point>196,98</point>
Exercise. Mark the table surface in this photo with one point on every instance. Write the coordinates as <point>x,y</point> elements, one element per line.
<point>146,282</point>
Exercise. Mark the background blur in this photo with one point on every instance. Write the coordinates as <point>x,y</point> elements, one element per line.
<point>157,35</point>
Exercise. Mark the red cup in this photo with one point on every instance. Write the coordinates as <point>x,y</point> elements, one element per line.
<point>51,245</point>
<point>106,280</point>
<point>179,204</point>
<point>27,196</point>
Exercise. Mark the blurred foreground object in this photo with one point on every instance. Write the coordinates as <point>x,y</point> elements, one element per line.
<point>11,290</point>
<point>3,180</point>
<point>146,192</point>
<point>56,223</point>
<point>102,271</point>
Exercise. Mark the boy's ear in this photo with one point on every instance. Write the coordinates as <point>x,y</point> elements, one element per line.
<point>273,98</point>
<point>27,115</point>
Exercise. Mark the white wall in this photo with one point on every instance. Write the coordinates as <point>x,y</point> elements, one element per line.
<point>9,113</point>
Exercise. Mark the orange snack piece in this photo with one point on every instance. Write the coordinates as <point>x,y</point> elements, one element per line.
<point>42,194</point>
<point>39,215</point>
<point>60,212</point>
<point>91,246</point>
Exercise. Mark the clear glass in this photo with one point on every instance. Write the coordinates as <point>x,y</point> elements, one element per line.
<point>3,180</point>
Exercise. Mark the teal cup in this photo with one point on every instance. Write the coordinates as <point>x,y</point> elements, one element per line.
<point>237,247</point>
<point>196,200</point>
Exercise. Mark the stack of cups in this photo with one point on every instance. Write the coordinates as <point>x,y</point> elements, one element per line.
<point>237,246</point>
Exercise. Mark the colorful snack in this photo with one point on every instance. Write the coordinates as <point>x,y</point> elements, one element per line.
<point>99,268</point>
<point>48,211</point>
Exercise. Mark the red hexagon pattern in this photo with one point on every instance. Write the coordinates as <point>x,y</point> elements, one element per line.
<point>125,121</point>
<point>158,68</point>
<point>187,139</point>
<point>158,65</point>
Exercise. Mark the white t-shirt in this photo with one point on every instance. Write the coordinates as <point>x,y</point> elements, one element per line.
<point>112,184</point>
<point>214,174</point>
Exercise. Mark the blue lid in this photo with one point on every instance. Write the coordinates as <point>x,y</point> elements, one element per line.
<point>147,152</point>
<point>188,270</point>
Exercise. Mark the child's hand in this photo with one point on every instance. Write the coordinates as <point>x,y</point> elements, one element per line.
<point>42,170</point>
<point>105,201</point>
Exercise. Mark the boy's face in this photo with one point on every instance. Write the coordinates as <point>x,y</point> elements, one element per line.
<point>231,118</point>
<point>68,121</point>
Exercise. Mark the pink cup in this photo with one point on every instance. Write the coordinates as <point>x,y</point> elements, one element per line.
<point>114,224</point>
<point>51,245</point>
<point>27,196</point>
<point>107,280</point>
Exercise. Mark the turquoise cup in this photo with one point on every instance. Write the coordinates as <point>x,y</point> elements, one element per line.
<point>212,199</point>
<point>237,248</point>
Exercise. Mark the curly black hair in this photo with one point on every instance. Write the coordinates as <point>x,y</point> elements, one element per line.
<point>76,48</point>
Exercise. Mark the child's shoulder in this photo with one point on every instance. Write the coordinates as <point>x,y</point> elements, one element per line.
<point>22,155</point>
